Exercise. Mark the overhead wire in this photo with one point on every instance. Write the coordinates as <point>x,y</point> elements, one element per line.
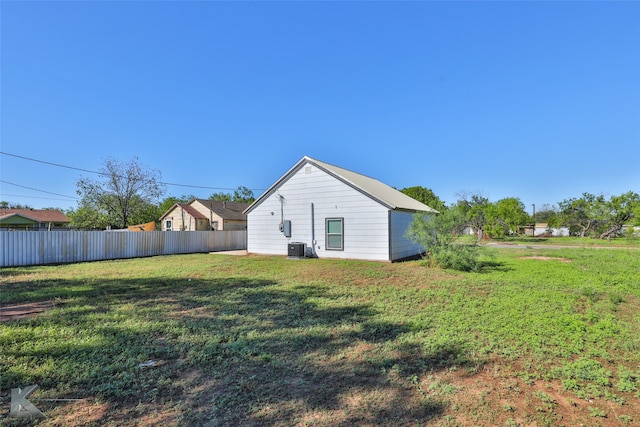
<point>29,197</point>
<point>107,174</point>
<point>35,189</point>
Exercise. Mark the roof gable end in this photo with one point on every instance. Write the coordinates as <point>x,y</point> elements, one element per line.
<point>374,189</point>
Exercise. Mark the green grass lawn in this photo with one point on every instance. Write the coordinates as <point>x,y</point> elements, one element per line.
<point>628,242</point>
<point>540,337</point>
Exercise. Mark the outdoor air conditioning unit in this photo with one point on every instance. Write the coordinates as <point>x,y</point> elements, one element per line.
<point>296,249</point>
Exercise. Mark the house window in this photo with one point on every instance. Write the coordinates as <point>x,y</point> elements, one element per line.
<point>335,234</point>
<point>214,225</point>
<point>168,224</point>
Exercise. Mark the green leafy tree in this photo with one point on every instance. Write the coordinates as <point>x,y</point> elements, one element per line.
<point>221,197</point>
<point>595,215</point>
<point>474,207</point>
<point>636,215</point>
<point>146,212</point>
<point>426,196</point>
<point>9,205</point>
<point>619,210</point>
<point>505,216</point>
<point>168,202</point>
<point>124,193</point>
<point>546,214</point>
<point>241,195</point>
<point>581,214</point>
<point>86,217</point>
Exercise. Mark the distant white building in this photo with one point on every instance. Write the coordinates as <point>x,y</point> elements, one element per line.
<point>635,230</point>
<point>542,228</point>
<point>332,212</point>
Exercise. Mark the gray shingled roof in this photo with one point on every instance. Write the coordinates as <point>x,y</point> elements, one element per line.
<point>384,194</point>
<point>226,210</point>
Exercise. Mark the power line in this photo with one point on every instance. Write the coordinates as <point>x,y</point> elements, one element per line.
<point>49,163</point>
<point>32,197</point>
<point>41,191</point>
<point>106,174</point>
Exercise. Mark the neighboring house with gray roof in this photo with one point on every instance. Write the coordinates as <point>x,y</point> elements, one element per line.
<point>33,219</point>
<point>335,212</point>
<point>204,214</point>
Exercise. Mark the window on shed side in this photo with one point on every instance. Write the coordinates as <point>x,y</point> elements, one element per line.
<point>334,234</point>
<point>168,224</point>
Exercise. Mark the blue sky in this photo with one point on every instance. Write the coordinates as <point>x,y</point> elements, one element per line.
<point>536,100</point>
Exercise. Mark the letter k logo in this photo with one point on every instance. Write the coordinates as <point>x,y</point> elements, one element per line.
<point>21,407</point>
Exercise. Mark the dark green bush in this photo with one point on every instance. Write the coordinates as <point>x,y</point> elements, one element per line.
<point>457,257</point>
<point>438,234</point>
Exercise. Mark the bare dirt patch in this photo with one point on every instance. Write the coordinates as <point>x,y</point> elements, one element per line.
<point>19,311</point>
<point>495,395</point>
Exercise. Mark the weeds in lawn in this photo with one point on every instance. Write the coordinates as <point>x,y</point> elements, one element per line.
<point>264,341</point>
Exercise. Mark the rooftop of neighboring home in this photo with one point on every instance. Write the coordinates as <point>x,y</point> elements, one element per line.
<point>38,215</point>
<point>226,210</point>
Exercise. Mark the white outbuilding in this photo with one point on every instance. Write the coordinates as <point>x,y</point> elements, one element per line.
<point>319,210</point>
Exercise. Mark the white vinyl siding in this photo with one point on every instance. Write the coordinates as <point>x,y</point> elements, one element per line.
<point>366,233</point>
<point>401,246</point>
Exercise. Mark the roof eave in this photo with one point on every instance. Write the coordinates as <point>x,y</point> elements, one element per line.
<point>275,185</point>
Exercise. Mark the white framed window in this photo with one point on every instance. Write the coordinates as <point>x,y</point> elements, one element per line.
<point>334,239</point>
<point>168,224</point>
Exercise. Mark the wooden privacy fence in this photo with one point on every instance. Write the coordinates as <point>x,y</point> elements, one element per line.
<point>52,247</point>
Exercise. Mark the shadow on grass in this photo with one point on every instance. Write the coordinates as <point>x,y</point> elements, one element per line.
<point>234,351</point>
<point>490,266</point>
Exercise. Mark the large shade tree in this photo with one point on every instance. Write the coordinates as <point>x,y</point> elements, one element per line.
<point>241,195</point>
<point>597,216</point>
<point>581,214</point>
<point>620,210</point>
<point>126,193</point>
<point>505,216</point>
<point>474,207</point>
<point>426,196</point>
<point>168,202</point>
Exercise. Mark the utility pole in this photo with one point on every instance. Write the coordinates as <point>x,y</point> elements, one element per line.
<point>533,233</point>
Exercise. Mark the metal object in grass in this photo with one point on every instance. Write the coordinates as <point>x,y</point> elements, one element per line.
<point>21,407</point>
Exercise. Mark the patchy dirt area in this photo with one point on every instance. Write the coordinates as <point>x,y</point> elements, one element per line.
<point>19,311</point>
<point>490,395</point>
<point>546,258</point>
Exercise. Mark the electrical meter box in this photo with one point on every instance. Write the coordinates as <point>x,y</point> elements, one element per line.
<point>285,227</point>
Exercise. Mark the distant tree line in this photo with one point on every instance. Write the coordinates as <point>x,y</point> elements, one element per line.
<point>589,215</point>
